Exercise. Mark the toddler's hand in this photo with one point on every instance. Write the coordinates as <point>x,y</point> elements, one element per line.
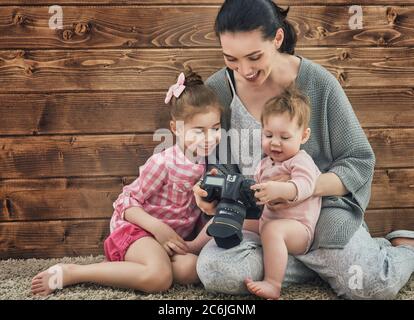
<point>170,240</point>
<point>266,191</point>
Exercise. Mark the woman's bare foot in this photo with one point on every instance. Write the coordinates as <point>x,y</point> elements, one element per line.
<point>402,241</point>
<point>265,289</point>
<point>55,277</point>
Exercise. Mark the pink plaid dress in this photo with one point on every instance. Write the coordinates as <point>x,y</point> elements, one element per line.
<point>163,189</point>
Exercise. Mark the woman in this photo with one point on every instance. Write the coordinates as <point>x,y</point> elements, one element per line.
<point>258,46</point>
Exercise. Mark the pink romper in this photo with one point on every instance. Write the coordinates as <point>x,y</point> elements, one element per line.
<point>304,173</point>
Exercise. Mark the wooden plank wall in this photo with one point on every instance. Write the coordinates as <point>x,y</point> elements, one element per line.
<point>78,106</point>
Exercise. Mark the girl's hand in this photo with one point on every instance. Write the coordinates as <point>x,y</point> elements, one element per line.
<point>170,240</point>
<point>207,207</point>
<point>193,247</point>
<point>266,191</point>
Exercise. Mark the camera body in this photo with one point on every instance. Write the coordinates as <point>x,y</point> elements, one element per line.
<point>236,202</point>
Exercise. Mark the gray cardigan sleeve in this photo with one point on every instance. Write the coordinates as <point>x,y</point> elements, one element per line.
<point>353,157</point>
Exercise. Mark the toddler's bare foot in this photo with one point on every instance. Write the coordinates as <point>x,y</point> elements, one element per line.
<point>55,277</point>
<point>400,241</point>
<point>265,289</point>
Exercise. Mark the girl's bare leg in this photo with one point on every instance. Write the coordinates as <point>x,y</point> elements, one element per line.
<point>279,237</point>
<point>147,267</point>
<point>251,225</point>
<point>184,268</point>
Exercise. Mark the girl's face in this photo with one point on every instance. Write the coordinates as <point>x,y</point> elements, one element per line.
<point>248,54</point>
<point>282,137</point>
<point>200,134</point>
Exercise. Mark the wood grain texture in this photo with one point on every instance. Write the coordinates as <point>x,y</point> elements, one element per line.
<point>106,27</point>
<point>83,113</point>
<point>143,112</point>
<point>381,222</point>
<point>59,198</point>
<point>195,2</point>
<point>392,188</point>
<point>384,107</point>
<point>52,238</point>
<point>100,70</point>
<point>393,148</point>
<point>60,156</point>
<point>134,69</point>
<point>133,27</point>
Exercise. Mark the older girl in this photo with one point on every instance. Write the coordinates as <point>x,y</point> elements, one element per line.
<point>153,216</point>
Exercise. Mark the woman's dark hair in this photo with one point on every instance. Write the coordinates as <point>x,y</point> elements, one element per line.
<point>249,15</point>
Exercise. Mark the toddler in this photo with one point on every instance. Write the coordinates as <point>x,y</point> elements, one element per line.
<point>284,129</point>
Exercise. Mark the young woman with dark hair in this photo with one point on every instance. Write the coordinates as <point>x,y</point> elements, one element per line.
<point>258,44</point>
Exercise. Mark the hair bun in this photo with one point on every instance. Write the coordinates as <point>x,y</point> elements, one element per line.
<point>283,13</point>
<point>192,78</point>
<point>280,11</point>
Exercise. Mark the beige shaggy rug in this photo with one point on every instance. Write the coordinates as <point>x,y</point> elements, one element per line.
<point>16,275</point>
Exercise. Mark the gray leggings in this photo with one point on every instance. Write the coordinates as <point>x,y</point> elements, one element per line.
<point>366,268</point>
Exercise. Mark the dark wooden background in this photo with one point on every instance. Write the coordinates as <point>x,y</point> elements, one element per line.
<point>78,106</point>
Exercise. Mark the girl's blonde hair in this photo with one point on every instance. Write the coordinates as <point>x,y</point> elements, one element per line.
<point>196,98</point>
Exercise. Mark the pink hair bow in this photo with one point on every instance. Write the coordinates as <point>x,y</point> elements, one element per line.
<point>176,89</point>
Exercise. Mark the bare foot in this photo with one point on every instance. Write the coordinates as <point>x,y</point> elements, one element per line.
<point>48,281</point>
<point>400,241</point>
<point>264,289</point>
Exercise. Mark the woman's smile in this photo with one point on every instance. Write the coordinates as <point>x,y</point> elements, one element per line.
<point>252,76</point>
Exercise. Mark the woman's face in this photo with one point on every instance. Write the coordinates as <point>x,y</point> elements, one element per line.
<point>248,54</point>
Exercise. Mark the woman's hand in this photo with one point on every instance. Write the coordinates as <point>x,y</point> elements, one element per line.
<point>170,240</point>
<point>207,207</point>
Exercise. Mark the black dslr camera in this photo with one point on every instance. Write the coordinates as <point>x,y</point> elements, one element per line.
<point>236,203</point>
